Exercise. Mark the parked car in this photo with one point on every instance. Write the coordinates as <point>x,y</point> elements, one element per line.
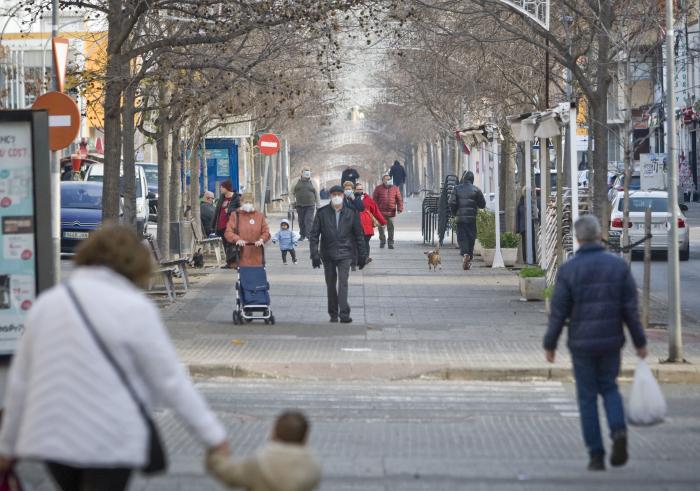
<point>619,184</point>
<point>151,171</point>
<point>639,201</point>
<point>81,212</point>
<point>95,173</point>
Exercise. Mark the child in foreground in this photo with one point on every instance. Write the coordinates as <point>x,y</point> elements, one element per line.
<point>284,464</point>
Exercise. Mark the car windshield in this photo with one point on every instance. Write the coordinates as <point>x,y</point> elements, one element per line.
<point>635,182</point>
<point>97,176</point>
<point>151,174</point>
<point>640,204</point>
<point>85,197</point>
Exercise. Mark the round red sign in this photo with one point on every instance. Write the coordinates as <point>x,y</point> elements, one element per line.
<point>269,144</point>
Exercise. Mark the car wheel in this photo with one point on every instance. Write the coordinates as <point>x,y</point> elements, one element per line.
<point>685,253</point>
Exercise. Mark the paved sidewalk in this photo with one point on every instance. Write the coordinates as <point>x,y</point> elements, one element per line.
<point>408,323</point>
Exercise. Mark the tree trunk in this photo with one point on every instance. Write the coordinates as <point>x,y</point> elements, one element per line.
<point>507,181</point>
<point>113,134</point>
<point>129,172</point>
<point>599,119</point>
<point>163,149</point>
<point>194,182</point>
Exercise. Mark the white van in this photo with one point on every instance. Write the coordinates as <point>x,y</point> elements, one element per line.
<point>96,172</point>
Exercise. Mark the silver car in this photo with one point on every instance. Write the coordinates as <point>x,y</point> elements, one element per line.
<point>660,226</point>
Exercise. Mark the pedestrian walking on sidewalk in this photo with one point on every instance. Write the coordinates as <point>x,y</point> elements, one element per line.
<point>338,230</point>
<point>370,216</point>
<point>245,227</point>
<point>389,200</point>
<point>349,174</point>
<point>398,175</point>
<point>93,360</point>
<point>287,239</point>
<point>350,201</point>
<point>229,201</point>
<point>284,464</point>
<point>596,293</point>
<point>464,202</point>
<point>307,201</point>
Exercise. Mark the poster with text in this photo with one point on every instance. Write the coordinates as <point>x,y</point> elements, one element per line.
<point>17,240</point>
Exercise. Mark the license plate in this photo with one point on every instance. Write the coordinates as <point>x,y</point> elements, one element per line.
<point>75,235</point>
<point>655,227</point>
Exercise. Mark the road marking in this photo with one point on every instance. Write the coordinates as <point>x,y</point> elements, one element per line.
<point>59,120</point>
<point>356,350</point>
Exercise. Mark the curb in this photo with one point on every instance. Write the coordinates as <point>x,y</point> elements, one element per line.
<point>683,374</point>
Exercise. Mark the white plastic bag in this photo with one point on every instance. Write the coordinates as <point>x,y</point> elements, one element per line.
<point>647,404</point>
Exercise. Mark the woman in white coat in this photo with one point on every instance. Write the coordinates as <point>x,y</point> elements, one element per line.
<point>66,404</point>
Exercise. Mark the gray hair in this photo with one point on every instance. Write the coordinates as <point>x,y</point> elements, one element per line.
<point>587,229</point>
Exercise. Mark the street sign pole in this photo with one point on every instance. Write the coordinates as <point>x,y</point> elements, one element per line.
<point>675,340</point>
<point>574,171</point>
<point>55,164</point>
<point>498,257</point>
<point>528,202</point>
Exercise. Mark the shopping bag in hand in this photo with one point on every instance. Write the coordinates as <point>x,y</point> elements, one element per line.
<point>647,405</point>
<point>9,481</point>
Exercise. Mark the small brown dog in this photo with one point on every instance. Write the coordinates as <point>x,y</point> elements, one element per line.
<point>434,259</point>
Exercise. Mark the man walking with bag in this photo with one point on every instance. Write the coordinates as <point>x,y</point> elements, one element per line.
<point>339,231</point>
<point>306,199</point>
<point>596,293</point>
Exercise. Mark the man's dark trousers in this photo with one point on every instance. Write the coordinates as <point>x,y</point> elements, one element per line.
<point>466,236</point>
<point>306,219</point>
<point>597,375</point>
<point>337,274</point>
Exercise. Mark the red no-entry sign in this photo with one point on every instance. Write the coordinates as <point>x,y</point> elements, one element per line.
<point>269,144</point>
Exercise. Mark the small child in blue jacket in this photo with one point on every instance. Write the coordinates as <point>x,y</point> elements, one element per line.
<point>287,240</point>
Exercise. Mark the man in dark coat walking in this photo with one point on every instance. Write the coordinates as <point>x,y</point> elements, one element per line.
<point>307,201</point>
<point>596,293</point>
<point>398,176</point>
<point>349,174</point>
<point>339,231</point>
<point>464,202</point>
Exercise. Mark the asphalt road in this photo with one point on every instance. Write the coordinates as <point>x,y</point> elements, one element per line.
<point>690,270</point>
<point>413,436</point>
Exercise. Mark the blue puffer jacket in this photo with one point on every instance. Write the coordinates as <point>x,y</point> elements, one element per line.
<point>286,238</point>
<point>595,290</point>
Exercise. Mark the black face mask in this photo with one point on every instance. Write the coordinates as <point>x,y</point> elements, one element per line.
<point>359,194</point>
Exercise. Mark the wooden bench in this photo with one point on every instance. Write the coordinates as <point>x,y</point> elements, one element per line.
<point>169,268</point>
<point>215,243</point>
<point>165,273</point>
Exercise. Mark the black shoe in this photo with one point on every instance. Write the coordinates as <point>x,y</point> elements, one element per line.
<point>353,268</point>
<point>346,320</point>
<point>334,319</point>
<point>391,246</point>
<point>619,454</point>
<point>381,245</point>
<point>597,462</point>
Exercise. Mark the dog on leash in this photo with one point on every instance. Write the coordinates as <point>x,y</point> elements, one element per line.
<point>434,259</point>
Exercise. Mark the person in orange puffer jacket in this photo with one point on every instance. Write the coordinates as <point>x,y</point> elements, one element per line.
<point>369,216</point>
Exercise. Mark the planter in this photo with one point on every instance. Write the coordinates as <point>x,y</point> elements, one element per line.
<point>477,248</point>
<point>487,255</point>
<point>510,256</point>
<point>533,288</point>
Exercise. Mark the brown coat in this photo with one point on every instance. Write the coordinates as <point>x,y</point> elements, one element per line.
<point>253,227</point>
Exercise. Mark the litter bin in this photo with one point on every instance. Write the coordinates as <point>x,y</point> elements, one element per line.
<point>180,239</point>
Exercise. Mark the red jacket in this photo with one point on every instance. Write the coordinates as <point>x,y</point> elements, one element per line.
<point>388,199</point>
<point>371,210</point>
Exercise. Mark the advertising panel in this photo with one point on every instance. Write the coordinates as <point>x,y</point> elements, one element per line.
<point>17,230</point>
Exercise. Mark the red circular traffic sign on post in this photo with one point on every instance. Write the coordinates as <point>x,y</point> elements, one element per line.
<point>269,144</point>
<point>64,118</point>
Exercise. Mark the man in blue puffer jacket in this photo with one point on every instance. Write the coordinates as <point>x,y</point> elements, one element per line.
<point>596,293</point>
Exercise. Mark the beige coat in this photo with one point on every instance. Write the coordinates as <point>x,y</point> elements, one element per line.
<point>277,467</point>
<point>253,227</point>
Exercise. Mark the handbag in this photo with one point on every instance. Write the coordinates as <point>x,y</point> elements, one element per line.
<point>156,460</point>
<point>232,250</point>
<point>9,481</point>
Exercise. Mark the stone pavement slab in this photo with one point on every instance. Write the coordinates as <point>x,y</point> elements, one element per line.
<point>408,322</point>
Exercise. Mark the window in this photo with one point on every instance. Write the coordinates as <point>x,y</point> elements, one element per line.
<point>614,148</point>
<point>639,205</point>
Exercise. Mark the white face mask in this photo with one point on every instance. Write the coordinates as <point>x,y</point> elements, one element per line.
<point>388,183</point>
<point>337,200</point>
<point>306,174</point>
<point>247,207</point>
<point>348,192</point>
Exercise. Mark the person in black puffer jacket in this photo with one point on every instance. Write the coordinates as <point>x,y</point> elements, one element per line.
<point>464,202</point>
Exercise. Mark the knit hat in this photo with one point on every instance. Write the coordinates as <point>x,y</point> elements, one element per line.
<point>336,189</point>
<point>227,185</point>
<point>247,197</point>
